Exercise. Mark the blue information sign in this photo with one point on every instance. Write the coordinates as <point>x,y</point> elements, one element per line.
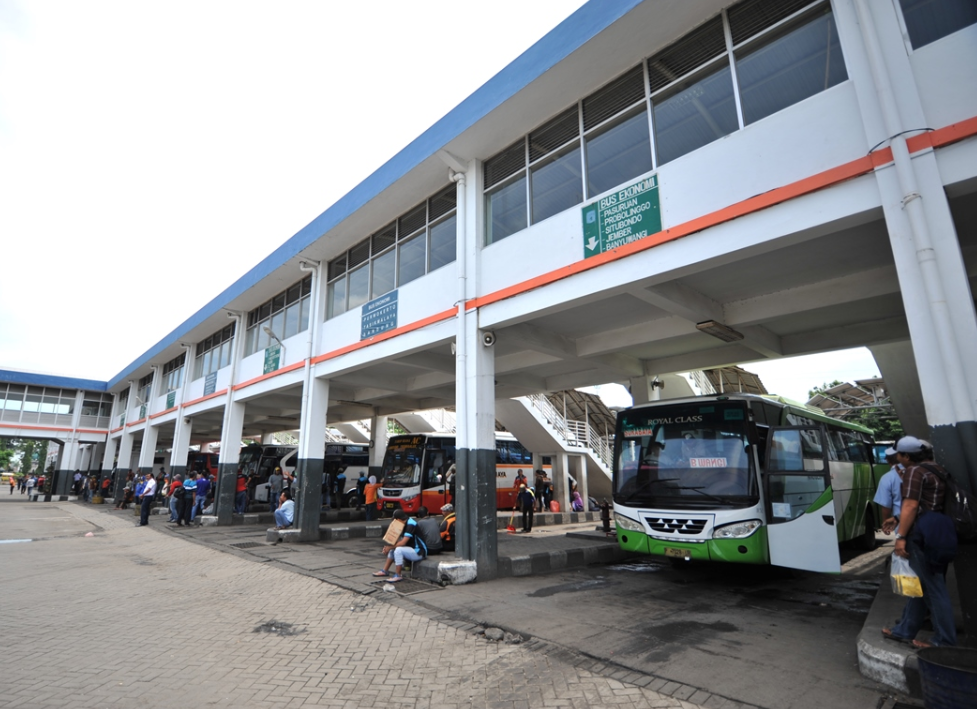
<point>210,383</point>
<point>379,315</point>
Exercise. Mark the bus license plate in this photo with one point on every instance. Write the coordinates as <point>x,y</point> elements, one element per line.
<point>389,505</point>
<point>676,553</point>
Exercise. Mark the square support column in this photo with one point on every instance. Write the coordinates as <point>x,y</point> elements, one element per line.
<point>311,458</point>
<point>147,453</point>
<point>125,462</point>
<point>183,427</point>
<point>230,455</point>
<point>476,511</point>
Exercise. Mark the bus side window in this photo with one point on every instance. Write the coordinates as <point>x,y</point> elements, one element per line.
<point>762,432</point>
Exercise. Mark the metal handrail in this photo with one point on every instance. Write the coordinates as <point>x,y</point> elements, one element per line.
<point>576,434</point>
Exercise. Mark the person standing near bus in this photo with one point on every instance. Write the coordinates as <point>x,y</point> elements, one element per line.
<point>526,503</point>
<point>146,499</point>
<point>889,494</point>
<point>275,482</point>
<point>240,491</point>
<point>370,497</point>
<point>928,539</point>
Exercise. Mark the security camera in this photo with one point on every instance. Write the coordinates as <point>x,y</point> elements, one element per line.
<point>186,419</point>
<point>488,339</point>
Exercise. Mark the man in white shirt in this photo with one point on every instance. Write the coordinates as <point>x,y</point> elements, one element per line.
<point>147,497</point>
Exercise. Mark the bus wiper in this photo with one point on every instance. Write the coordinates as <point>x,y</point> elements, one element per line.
<point>698,489</point>
<point>646,485</point>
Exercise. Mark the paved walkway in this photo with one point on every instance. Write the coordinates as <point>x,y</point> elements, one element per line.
<point>138,617</point>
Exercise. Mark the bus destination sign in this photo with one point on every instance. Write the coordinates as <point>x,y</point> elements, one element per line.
<point>379,315</point>
<point>627,215</point>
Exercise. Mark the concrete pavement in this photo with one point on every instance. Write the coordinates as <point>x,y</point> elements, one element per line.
<point>138,617</point>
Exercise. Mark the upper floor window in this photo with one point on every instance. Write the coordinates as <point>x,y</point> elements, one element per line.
<point>214,352</point>
<point>930,20</point>
<point>285,315</point>
<point>418,242</point>
<point>145,390</point>
<point>173,373</point>
<point>744,64</point>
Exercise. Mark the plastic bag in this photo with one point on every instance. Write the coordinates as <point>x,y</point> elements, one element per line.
<point>905,582</point>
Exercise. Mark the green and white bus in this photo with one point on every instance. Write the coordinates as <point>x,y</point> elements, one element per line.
<point>742,478</point>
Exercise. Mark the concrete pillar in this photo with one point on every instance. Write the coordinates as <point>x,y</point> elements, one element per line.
<point>378,442</point>
<point>561,490</point>
<point>583,484</point>
<point>109,450</point>
<point>126,441</point>
<point>645,389</point>
<point>477,540</point>
<point>230,455</point>
<point>311,458</point>
<point>183,427</point>
<point>147,453</point>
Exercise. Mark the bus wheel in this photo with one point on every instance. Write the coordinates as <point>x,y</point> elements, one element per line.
<point>866,541</point>
<point>351,500</point>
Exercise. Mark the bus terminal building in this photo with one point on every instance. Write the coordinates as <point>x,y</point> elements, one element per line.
<point>654,187</point>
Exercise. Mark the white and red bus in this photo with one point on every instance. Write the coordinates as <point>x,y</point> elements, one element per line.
<point>417,470</point>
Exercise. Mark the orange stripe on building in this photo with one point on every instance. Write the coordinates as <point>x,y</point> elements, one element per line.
<point>135,423</point>
<point>943,136</point>
<point>98,431</point>
<point>164,412</point>
<point>417,325</point>
<point>204,398</point>
<point>263,377</point>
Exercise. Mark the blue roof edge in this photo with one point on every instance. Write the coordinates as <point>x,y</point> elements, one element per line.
<point>12,376</point>
<point>564,39</point>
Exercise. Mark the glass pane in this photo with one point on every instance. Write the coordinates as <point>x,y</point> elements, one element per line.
<point>384,267</point>
<point>505,211</point>
<point>791,495</point>
<point>262,340</point>
<point>557,186</point>
<point>249,339</point>
<point>618,154</point>
<point>292,320</point>
<point>930,20</point>
<point>701,112</point>
<point>359,286</point>
<point>277,324</point>
<point>412,259</point>
<point>337,298</point>
<point>207,362</point>
<point>443,243</point>
<point>305,308</point>
<point>789,68</point>
<point>796,451</point>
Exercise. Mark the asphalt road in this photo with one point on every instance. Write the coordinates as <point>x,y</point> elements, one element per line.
<point>765,636</point>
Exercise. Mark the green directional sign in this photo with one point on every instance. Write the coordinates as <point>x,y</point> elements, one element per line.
<point>273,357</point>
<point>627,215</point>
<point>171,399</point>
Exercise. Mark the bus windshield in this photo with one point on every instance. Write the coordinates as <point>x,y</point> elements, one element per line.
<point>687,455</point>
<point>402,461</point>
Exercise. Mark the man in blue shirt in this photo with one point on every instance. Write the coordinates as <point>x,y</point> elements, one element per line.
<point>889,494</point>
<point>285,514</point>
<point>410,547</point>
<point>200,501</point>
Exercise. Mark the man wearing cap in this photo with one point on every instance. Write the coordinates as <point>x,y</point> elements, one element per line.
<point>526,502</point>
<point>889,494</point>
<point>923,538</point>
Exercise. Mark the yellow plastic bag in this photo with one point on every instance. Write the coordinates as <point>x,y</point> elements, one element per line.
<point>905,582</point>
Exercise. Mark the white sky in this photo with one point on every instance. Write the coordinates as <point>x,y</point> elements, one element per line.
<point>152,153</point>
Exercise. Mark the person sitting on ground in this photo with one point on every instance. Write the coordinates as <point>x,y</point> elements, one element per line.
<point>285,514</point>
<point>576,501</point>
<point>410,547</point>
<point>429,530</point>
<point>447,527</point>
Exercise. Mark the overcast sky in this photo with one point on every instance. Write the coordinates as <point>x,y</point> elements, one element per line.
<point>152,153</point>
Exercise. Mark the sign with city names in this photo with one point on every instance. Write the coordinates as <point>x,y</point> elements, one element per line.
<point>273,357</point>
<point>379,315</point>
<point>210,383</point>
<point>170,399</point>
<point>627,215</point>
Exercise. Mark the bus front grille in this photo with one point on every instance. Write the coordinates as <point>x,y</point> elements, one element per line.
<point>677,525</point>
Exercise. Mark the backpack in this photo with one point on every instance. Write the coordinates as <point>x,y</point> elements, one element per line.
<point>958,504</point>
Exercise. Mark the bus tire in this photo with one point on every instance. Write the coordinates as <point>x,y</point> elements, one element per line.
<point>866,540</point>
<point>351,499</point>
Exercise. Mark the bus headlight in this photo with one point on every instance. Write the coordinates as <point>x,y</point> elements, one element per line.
<point>627,524</point>
<point>737,530</point>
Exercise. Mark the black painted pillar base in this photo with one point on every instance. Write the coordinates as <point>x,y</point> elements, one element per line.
<point>476,511</point>
<point>179,470</point>
<point>224,497</point>
<point>955,447</point>
<point>308,503</point>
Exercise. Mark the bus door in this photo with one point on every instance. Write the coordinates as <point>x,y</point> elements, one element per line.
<point>801,524</point>
<point>434,487</point>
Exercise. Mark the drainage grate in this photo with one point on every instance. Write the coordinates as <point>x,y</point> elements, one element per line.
<point>248,545</point>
